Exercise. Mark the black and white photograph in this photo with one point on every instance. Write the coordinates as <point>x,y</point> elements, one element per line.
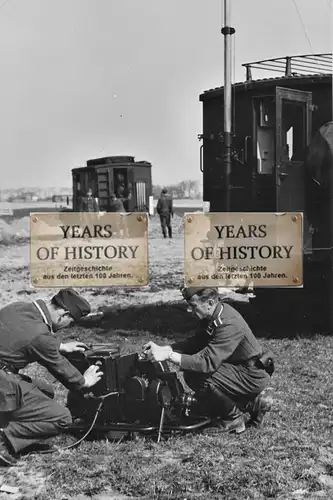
<point>166,250</point>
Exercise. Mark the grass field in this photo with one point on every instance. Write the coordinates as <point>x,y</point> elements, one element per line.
<point>289,458</point>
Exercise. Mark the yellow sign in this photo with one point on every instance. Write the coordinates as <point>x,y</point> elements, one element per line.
<point>88,249</point>
<point>243,249</point>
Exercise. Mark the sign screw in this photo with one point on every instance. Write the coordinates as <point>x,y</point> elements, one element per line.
<point>294,218</point>
<point>295,280</point>
<point>141,280</point>
<point>34,219</point>
<point>140,218</point>
<point>35,281</point>
<point>189,219</point>
<point>190,281</point>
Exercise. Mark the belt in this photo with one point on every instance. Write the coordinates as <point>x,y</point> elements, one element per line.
<point>263,362</point>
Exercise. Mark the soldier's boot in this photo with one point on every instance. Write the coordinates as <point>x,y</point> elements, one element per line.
<point>170,231</point>
<point>7,458</point>
<point>234,424</point>
<point>261,405</point>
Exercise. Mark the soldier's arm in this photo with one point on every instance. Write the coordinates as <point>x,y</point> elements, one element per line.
<point>45,350</point>
<point>219,349</point>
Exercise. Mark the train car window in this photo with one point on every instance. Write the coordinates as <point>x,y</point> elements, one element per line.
<point>267,112</point>
<point>265,135</point>
<point>120,181</point>
<point>293,131</point>
<point>265,150</point>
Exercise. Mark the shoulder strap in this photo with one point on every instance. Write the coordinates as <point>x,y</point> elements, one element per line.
<point>216,320</point>
<point>42,314</point>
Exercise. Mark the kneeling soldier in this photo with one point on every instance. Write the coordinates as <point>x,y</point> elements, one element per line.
<point>224,363</point>
<point>28,411</point>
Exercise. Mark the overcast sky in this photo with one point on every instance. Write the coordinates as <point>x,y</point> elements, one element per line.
<point>87,78</point>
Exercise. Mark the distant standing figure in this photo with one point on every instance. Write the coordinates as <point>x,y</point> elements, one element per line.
<point>88,203</point>
<point>124,195</point>
<point>122,192</point>
<point>115,204</point>
<point>165,211</point>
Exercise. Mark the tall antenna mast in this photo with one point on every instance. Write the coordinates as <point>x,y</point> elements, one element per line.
<point>227,31</point>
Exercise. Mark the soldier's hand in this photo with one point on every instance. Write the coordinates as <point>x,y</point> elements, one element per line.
<point>92,375</point>
<point>147,348</point>
<point>73,347</point>
<point>156,353</point>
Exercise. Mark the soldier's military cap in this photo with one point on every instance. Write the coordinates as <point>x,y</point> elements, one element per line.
<point>190,291</point>
<point>71,301</point>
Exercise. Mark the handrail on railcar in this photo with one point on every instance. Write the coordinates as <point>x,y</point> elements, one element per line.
<point>293,65</point>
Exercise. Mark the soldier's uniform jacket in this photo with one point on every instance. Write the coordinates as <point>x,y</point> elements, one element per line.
<point>26,337</point>
<point>164,205</point>
<point>116,205</point>
<point>88,204</point>
<point>228,339</point>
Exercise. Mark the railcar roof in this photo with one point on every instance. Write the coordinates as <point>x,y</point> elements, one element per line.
<point>111,166</point>
<point>270,82</point>
<point>304,69</point>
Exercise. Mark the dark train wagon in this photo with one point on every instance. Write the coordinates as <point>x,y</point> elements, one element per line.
<point>274,122</point>
<point>122,175</point>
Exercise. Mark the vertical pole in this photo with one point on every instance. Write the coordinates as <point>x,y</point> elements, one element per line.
<point>227,31</point>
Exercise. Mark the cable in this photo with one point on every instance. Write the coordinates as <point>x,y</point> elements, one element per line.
<point>48,452</point>
<point>303,25</point>
<point>88,431</point>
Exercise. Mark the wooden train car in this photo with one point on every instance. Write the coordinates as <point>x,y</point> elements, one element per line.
<point>274,123</point>
<point>129,179</point>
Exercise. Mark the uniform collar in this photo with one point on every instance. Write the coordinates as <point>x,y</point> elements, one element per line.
<point>44,312</point>
<point>216,319</point>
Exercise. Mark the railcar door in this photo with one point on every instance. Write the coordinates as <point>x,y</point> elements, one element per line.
<point>293,135</point>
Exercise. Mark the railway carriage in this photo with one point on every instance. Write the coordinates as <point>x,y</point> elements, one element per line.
<point>276,123</point>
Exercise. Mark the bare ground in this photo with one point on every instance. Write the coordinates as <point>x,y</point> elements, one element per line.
<point>290,457</point>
